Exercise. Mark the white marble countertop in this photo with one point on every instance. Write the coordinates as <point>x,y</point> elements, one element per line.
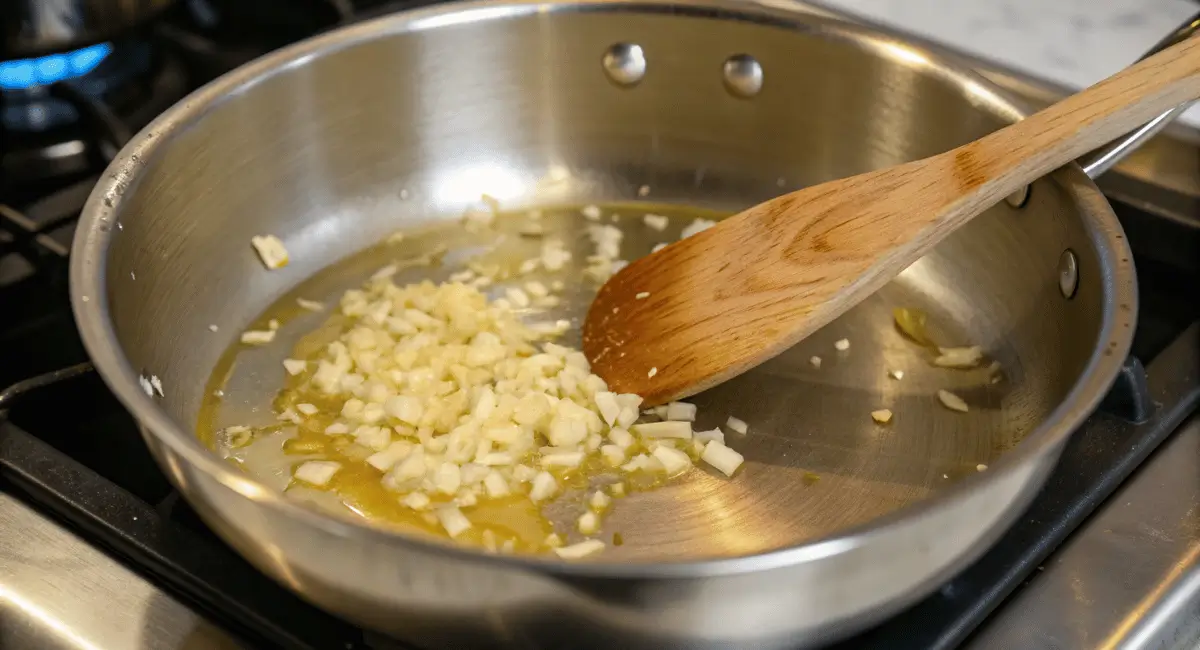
<point>1071,42</point>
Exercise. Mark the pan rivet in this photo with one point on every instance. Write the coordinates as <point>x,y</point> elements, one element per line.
<point>625,63</point>
<point>1019,198</point>
<point>743,75</point>
<point>1068,274</point>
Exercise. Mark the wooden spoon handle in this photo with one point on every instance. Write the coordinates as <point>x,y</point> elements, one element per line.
<point>955,186</point>
<point>1065,131</point>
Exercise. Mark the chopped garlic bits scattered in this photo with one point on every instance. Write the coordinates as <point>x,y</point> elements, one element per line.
<point>704,437</point>
<point>675,462</point>
<point>668,429</point>
<point>604,263</point>
<point>967,357</point>
<point>952,401</point>
<point>721,457</point>
<point>695,227</point>
<point>882,416</point>
<point>588,523</point>
<point>270,250</point>
<point>580,550</point>
<point>452,401</point>
<point>656,221</point>
<point>236,436</point>
<point>258,337</point>
<point>681,411</point>
<point>317,472</point>
<point>151,385</point>
<point>841,345</point>
<point>554,257</point>
<point>453,520</point>
<point>599,501</point>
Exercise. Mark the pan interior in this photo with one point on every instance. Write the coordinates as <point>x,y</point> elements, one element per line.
<point>396,133</point>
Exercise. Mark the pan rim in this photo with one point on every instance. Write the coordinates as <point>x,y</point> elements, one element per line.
<point>89,300</point>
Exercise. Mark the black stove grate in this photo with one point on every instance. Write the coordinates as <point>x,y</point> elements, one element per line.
<point>87,465</point>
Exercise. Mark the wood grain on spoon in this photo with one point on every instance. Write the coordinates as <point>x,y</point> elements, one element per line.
<point>726,299</point>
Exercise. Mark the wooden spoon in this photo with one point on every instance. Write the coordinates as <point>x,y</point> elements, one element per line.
<point>714,305</point>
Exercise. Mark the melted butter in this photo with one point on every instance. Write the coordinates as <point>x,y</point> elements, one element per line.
<point>357,485</point>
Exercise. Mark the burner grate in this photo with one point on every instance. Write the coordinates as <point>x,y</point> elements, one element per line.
<point>61,132</point>
<point>32,238</point>
<point>26,245</point>
<point>40,234</point>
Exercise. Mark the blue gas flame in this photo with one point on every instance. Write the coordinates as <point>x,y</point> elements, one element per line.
<point>42,71</point>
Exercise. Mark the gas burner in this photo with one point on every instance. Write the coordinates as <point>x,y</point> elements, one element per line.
<point>67,113</point>
<point>30,107</point>
<point>41,234</point>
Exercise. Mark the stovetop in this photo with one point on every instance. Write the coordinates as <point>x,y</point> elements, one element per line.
<point>71,455</point>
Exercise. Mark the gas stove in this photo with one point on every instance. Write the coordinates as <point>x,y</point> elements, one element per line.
<point>109,556</point>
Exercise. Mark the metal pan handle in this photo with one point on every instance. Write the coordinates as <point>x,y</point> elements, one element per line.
<point>1101,160</point>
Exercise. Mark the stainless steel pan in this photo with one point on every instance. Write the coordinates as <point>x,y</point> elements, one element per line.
<point>337,141</point>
